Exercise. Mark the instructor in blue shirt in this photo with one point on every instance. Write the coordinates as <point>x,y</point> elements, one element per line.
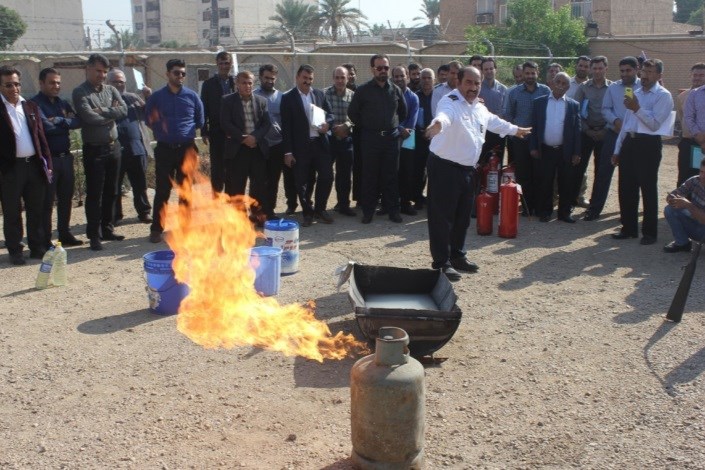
<point>173,112</point>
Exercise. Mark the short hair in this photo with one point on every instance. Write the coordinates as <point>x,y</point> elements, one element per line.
<point>630,61</point>
<point>47,71</point>
<point>224,55</point>
<point>96,58</point>
<point>428,70</point>
<point>455,63</point>
<point>474,58</point>
<point>461,72</point>
<point>113,72</point>
<point>8,70</point>
<point>268,68</point>
<point>350,67</point>
<point>376,57</point>
<point>443,68</point>
<point>174,63</point>
<point>599,58</point>
<point>698,66</point>
<point>656,63</point>
<point>564,75</point>
<point>413,66</point>
<point>305,68</point>
<point>400,66</point>
<point>583,57</point>
<point>529,64</point>
<point>556,65</point>
<point>244,73</point>
<point>488,59</point>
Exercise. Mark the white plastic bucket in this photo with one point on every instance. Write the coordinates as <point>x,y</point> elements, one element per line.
<point>284,234</point>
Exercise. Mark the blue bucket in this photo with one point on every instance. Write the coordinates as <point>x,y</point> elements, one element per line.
<point>163,291</point>
<point>267,263</point>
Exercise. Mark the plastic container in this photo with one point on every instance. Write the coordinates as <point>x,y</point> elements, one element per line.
<point>284,234</point>
<point>267,263</point>
<point>44,274</point>
<point>58,271</point>
<point>164,292</point>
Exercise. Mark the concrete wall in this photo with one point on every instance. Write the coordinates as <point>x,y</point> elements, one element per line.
<point>51,26</point>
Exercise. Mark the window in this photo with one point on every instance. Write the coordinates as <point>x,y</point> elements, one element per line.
<point>138,8</point>
<point>224,13</point>
<point>207,15</point>
<point>153,39</point>
<point>152,23</point>
<point>152,6</point>
<point>224,31</point>
<point>206,33</point>
<point>485,6</point>
<point>581,9</point>
<point>139,26</point>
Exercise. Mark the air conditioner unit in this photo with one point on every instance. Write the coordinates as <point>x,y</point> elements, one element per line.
<point>485,18</point>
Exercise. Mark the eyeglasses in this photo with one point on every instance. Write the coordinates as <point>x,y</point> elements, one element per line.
<point>179,73</point>
<point>380,68</point>
<point>12,85</point>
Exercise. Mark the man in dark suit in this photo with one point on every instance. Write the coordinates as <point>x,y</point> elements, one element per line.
<point>25,168</point>
<point>555,143</point>
<point>306,143</point>
<point>244,119</point>
<point>212,92</point>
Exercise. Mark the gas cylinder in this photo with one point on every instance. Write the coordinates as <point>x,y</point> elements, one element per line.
<point>484,210</point>
<point>508,210</point>
<point>387,406</point>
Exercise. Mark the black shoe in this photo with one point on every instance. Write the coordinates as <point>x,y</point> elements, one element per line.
<point>70,240</point>
<point>451,273</point>
<point>112,236</point>
<point>308,220</point>
<point>37,254</point>
<point>323,216</point>
<point>345,210</point>
<point>95,244</point>
<point>622,236</point>
<point>408,210</point>
<point>647,240</point>
<point>382,212</point>
<point>463,265</point>
<point>396,218</point>
<point>145,218</point>
<point>272,217</point>
<point>17,259</point>
<point>291,210</point>
<point>544,218</point>
<point>155,237</point>
<point>674,248</point>
<point>367,218</point>
<point>566,218</point>
<point>590,216</point>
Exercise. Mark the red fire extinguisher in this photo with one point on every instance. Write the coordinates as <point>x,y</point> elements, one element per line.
<point>493,180</point>
<point>509,173</point>
<point>508,210</point>
<point>484,213</point>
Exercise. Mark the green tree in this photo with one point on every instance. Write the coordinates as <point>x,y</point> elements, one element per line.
<point>337,17</point>
<point>377,29</point>
<point>12,27</point>
<point>431,10</point>
<point>684,10</point>
<point>301,19</point>
<point>696,17</point>
<point>130,40</point>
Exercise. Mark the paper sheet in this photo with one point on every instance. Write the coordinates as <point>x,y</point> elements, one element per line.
<point>318,116</point>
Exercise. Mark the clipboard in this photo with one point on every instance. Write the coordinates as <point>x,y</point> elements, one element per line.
<point>410,142</point>
<point>696,156</point>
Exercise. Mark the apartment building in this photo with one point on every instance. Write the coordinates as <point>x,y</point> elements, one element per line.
<point>51,26</point>
<point>613,17</point>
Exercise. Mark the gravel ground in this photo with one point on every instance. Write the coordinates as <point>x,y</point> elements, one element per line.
<point>562,359</point>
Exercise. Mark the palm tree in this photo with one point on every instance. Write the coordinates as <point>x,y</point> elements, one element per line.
<point>336,17</point>
<point>431,10</point>
<point>130,40</point>
<point>298,17</point>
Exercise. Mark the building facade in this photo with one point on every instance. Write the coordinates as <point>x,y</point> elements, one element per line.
<point>51,26</point>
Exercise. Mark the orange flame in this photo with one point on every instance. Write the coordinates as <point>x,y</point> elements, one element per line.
<point>211,236</point>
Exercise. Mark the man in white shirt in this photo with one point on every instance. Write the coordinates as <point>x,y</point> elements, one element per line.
<point>457,133</point>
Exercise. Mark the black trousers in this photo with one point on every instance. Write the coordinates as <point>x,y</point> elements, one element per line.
<point>342,154</point>
<point>639,160</point>
<point>315,159</point>
<point>554,166</point>
<point>588,146</point>
<point>101,164</point>
<point>418,184</point>
<point>605,170</point>
<point>450,198</point>
<point>61,190</point>
<point>216,140</point>
<point>406,176</point>
<point>357,166</point>
<point>527,171</point>
<point>248,163</point>
<point>23,182</point>
<point>685,171</point>
<point>168,159</point>
<point>135,167</point>
<point>380,169</point>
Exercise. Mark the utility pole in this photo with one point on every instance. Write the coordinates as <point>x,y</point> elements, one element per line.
<point>215,23</point>
<point>118,37</point>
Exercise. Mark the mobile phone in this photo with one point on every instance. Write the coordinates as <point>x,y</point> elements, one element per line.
<point>628,93</point>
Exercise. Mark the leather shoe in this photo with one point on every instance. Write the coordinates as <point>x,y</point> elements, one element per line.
<point>145,218</point>
<point>396,218</point>
<point>345,210</point>
<point>367,218</point>
<point>590,216</point>
<point>674,248</point>
<point>308,220</point>
<point>463,265</point>
<point>37,254</point>
<point>290,210</point>
<point>451,273</point>
<point>112,236</point>
<point>622,236</point>
<point>17,259</point>
<point>584,203</point>
<point>155,237</point>
<point>566,218</point>
<point>408,209</point>
<point>647,240</point>
<point>323,216</point>
<point>95,244</point>
<point>70,240</point>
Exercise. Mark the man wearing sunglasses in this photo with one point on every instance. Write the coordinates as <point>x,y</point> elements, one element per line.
<point>173,112</point>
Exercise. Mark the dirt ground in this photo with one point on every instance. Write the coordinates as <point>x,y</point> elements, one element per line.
<point>562,359</point>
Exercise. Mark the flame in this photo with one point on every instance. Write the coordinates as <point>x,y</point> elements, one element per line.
<point>211,237</point>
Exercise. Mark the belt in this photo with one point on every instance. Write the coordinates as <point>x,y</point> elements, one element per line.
<point>25,159</point>
<point>469,168</point>
<point>382,133</point>
<point>639,135</point>
<point>176,146</point>
<point>554,147</point>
